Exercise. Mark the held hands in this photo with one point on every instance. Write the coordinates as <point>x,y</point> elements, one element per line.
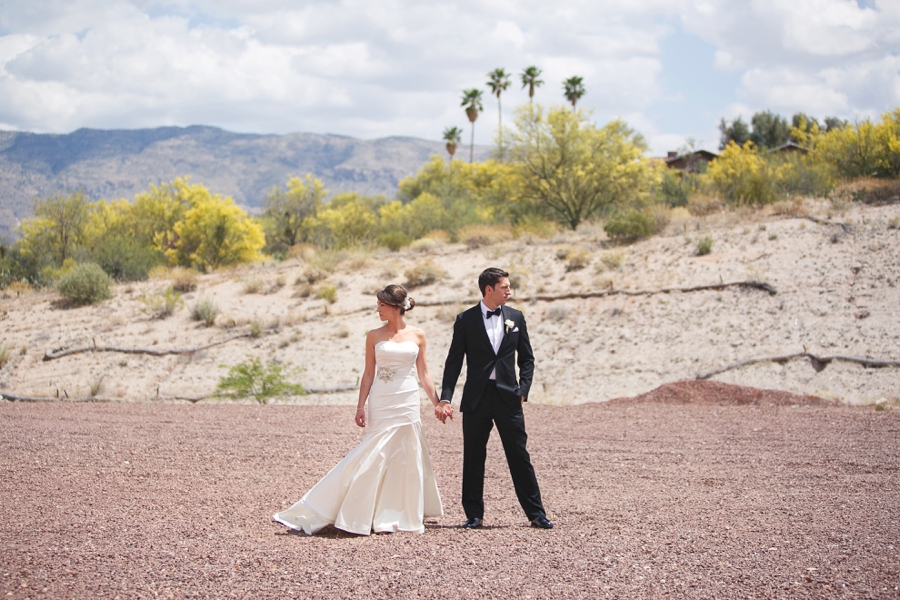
<point>361,417</point>
<point>442,411</point>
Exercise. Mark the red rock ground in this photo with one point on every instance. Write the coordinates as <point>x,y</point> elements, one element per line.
<point>695,490</point>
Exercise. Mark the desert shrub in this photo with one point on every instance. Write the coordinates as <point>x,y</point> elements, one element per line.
<point>184,280</point>
<point>704,204</point>
<point>254,285</point>
<point>20,287</point>
<point>87,283</point>
<point>162,305</point>
<point>660,215</point>
<point>475,236</point>
<point>424,273</point>
<point>304,252</point>
<point>613,259</point>
<point>95,386</point>
<point>304,290</point>
<point>704,246</point>
<point>438,235</point>
<point>795,207</point>
<point>205,310</point>
<point>868,190</point>
<point>5,354</point>
<point>393,240</point>
<point>312,274</point>
<point>328,293</point>
<point>629,226</point>
<point>534,228</point>
<point>557,314</point>
<point>424,245</point>
<point>518,278</point>
<point>256,328</point>
<point>803,175</point>
<point>675,187</point>
<point>262,382</point>
<point>577,259</point>
<point>125,260</point>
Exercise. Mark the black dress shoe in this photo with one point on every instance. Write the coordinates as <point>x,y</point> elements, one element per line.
<point>473,523</point>
<point>542,523</point>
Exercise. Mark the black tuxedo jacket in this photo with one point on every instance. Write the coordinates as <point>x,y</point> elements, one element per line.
<point>470,341</point>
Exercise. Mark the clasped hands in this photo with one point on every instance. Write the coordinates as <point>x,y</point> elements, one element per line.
<point>442,411</point>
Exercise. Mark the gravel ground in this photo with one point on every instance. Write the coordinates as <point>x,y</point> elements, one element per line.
<point>696,490</point>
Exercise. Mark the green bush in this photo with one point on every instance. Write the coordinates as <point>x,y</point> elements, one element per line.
<point>328,293</point>
<point>162,305</point>
<point>393,240</point>
<point>630,226</point>
<point>124,260</point>
<point>87,283</point>
<point>205,310</point>
<point>675,188</point>
<point>704,246</point>
<point>262,382</point>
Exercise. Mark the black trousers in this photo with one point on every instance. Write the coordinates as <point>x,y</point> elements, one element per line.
<point>492,409</point>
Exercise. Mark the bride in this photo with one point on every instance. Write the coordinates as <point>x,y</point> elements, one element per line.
<point>386,483</point>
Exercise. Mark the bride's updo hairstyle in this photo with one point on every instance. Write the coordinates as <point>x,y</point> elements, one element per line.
<point>395,295</point>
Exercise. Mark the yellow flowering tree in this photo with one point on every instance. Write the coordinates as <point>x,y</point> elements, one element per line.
<point>576,170</point>
<point>742,175</point>
<point>348,220</point>
<point>214,232</point>
<point>56,229</point>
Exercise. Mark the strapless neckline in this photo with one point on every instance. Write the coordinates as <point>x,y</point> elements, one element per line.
<point>398,343</point>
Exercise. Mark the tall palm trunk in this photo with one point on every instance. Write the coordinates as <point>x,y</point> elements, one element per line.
<point>500,113</point>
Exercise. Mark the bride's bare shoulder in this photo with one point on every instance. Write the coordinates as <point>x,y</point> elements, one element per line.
<point>376,335</point>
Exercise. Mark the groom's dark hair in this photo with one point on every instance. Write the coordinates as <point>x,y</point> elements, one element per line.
<point>490,277</point>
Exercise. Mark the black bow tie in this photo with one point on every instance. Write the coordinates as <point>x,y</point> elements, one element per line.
<point>492,313</point>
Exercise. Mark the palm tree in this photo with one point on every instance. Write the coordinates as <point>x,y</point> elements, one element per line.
<point>531,81</point>
<point>471,100</point>
<point>574,89</point>
<point>453,137</point>
<point>498,81</point>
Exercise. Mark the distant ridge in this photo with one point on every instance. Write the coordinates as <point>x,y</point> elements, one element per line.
<point>114,164</point>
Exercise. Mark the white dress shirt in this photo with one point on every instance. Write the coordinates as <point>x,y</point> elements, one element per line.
<point>494,328</point>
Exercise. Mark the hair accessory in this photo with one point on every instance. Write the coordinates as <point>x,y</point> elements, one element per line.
<point>406,304</point>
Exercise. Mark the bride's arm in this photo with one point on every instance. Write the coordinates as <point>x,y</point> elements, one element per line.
<point>424,376</point>
<point>367,378</point>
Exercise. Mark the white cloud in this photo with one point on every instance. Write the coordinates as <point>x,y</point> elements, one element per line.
<point>396,67</point>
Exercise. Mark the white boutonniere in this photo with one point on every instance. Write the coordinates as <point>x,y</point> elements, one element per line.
<point>509,325</point>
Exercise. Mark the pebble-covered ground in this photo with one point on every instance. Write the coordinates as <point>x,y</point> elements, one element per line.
<point>697,490</point>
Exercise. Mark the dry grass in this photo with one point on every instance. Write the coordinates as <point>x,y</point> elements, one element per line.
<point>254,285</point>
<point>424,273</point>
<point>613,259</point>
<point>702,205</point>
<point>476,236</point>
<point>184,280</point>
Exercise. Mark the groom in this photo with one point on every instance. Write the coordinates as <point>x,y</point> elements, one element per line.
<point>489,336</point>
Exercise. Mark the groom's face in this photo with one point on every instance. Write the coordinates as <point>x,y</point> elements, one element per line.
<point>498,294</point>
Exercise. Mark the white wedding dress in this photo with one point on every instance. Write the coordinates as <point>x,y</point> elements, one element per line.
<point>386,483</point>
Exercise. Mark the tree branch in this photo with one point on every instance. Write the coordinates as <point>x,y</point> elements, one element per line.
<point>59,353</point>
<point>818,362</point>
<point>756,285</point>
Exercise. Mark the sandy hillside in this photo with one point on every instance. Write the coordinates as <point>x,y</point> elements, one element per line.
<point>836,293</point>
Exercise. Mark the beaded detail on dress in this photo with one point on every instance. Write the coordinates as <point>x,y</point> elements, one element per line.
<point>386,374</point>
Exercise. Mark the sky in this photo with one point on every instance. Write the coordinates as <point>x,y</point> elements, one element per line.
<point>376,68</point>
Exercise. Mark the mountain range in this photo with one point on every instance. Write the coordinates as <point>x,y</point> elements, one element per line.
<point>114,164</point>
